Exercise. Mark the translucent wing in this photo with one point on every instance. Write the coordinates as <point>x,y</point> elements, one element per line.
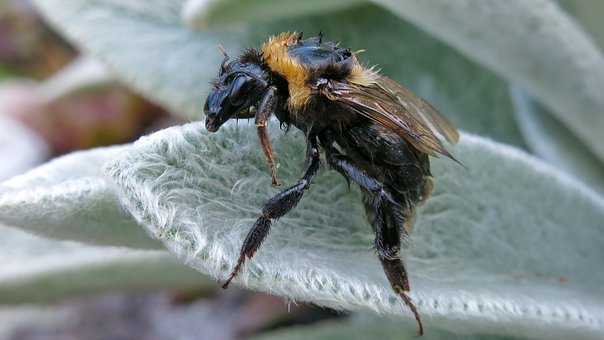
<point>420,108</point>
<point>396,108</point>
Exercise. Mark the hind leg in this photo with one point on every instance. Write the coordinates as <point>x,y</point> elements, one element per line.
<point>386,217</point>
<point>388,222</point>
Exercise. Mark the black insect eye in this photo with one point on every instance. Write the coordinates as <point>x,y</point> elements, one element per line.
<point>238,86</point>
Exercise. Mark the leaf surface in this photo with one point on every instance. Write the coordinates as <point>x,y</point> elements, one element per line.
<point>515,259</point>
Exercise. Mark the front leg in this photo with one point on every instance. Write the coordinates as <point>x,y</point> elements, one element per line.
<point>265,110</point>
<point>275,208</point>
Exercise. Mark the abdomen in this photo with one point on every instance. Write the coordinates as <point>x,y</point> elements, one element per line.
<point>384,155</point>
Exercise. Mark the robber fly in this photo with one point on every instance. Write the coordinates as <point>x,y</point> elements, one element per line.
<point>372,130</point>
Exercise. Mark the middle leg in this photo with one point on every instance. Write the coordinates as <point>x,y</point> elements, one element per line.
<point>275,208</point>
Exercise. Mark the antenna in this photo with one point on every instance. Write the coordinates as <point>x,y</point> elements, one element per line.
<point>223,51</point>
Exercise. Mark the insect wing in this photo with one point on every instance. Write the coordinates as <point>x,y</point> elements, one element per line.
<point>421,108</point>
<point>396,108</point>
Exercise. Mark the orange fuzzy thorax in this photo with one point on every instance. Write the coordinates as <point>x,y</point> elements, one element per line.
<point>278,59</point>
<point>275,54</point>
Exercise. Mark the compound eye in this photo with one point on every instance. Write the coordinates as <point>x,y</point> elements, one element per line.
<point>236,96</point>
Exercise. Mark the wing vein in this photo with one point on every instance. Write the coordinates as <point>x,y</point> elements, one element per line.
<point>396,108</point>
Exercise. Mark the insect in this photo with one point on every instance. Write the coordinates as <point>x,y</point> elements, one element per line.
<point>372,130</point>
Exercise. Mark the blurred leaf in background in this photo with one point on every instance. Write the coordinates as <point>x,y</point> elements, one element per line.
<point>589,14</point>
<point>27,46</point>
<point>71,103</point>
<point>506,247</point>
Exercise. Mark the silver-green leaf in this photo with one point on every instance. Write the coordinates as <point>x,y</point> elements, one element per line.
<point>34,269</point>
<point>69,199</point>
<point>151,49</point>
<point>146,45</point>
<point>82,74</point>
<point>359,328</point>
<point>532,43</point>
<point>507,246</point>
<point>552,141</point>
<point>204,13</point>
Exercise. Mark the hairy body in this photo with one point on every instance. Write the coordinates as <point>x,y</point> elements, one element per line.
<point>372,130</point>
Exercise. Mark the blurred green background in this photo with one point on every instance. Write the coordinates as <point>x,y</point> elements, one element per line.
<point>54,99</point>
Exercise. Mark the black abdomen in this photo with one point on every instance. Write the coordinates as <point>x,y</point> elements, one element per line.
<point>384,155</point>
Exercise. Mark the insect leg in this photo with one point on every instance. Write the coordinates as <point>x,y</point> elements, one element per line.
<point>275,208</point>
<point>388,221</point>
<point>265,110</point>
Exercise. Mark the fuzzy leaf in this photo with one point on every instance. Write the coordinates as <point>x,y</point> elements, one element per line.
<point>587,13</point>
<point>533,43</point>
<point>34,269</point>
<point>204,13</point>
<point>20,148</point>
<point>81,74</point>
<point>552,141</point>
<point>68,198</point>
<point>147,45</point>
<point>508,246</point>
<point>153,51</point>
<point>374,328</point>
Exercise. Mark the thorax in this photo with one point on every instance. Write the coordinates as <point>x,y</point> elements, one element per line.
<point>301,62</point>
